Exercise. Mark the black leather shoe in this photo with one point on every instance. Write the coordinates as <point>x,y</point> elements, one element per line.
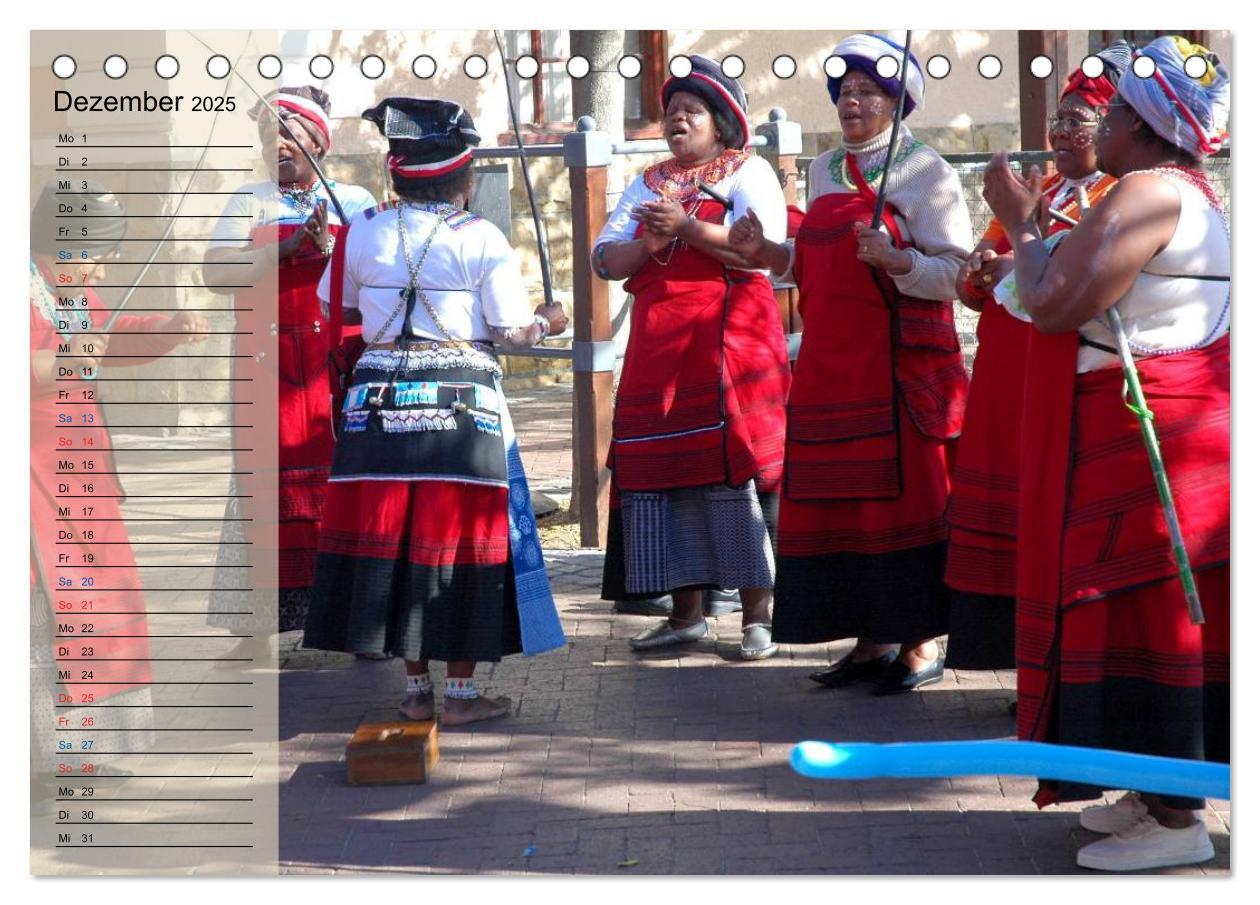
<point>849,672</point>
<point>899,679</point>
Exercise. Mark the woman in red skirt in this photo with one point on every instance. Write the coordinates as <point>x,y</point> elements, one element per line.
<point>878,389</point>
<point>66,416</point>
<point>697,450</point>
<point>429,548</point>
<point>288,224</point>
<point>984,487</point>
<point>1107,654</point>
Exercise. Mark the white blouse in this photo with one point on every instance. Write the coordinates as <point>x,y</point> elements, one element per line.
<point>1181,298</point>
<point>471,276</point>
<point>754,186</point>
<point>262,203</point>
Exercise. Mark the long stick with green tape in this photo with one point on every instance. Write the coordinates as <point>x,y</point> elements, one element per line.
<point>1135,401</point>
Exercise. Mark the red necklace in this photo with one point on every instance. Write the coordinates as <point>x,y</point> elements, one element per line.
<point>679,181</point>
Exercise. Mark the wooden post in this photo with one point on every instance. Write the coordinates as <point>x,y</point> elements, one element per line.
<point>587,154</point>
<point>1037,97</point>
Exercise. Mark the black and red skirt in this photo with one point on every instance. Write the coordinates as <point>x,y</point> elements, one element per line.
<point>429,549</point>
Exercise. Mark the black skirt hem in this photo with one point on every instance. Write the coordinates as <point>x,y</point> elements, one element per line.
<point>886,598</point>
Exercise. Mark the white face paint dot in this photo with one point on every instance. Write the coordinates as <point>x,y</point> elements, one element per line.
<point>527,67</point>
<point>270,66</point>
<point>783,66</point>
<point>372,66</point>
<point>629,67</point>
<point>938,66</point>
<point>1144,67</point>
<point>424,67</point>
<point>680,67</point>
<point>578,67</point>
<point>218,66</point>
<point>1042,67</point>
<point>733,66</point>
<point>887,66</point>
<point>64,66</point>
<point>115,66</point>
<point>1092,67</point>
<point>166,66</point>
<point>1196,66</point>
<point>475,66</point>
<point>990,66</point>
<point>835,67</point>
<point>321,66</point>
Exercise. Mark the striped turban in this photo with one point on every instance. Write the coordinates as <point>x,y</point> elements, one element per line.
<point>1191,113</point>
<point>863,51</point>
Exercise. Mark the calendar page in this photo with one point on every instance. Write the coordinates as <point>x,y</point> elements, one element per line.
<point>629,452</point>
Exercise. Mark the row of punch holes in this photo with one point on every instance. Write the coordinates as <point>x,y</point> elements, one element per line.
<point>630,66</point>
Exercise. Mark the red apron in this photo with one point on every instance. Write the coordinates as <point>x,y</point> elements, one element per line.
<point>705,376</point>
<point>877,392</point>
<point>305,440</point>
<point>1095,543</point>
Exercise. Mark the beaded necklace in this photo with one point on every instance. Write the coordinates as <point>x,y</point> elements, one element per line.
<point>672,179</point>
<point>839,171</point>
<point>300,198</point>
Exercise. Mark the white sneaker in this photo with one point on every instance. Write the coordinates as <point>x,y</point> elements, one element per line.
<point>1114,818</point>
<point>1147,844</point>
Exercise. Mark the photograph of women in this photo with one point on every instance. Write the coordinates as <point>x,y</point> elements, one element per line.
<point>718,451</point>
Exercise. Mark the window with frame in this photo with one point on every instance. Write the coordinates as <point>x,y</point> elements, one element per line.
<point>1101,39</point>
<point>544,103</point>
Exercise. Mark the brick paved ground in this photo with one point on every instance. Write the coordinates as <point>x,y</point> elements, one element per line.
<point>676,761</point>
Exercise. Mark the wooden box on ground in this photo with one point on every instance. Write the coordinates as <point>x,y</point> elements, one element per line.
<point>388,753</point>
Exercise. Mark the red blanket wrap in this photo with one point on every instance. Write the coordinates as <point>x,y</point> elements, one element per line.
<point>705,376</point>
<point>984,492</point>
<point>305,440</point>
<point>877,395</point>
<point>1099,606</point>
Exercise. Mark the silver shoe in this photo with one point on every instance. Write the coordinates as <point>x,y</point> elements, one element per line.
<point>756,644</point>
<point>665,635</point>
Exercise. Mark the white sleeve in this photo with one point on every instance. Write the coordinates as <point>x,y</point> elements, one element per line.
<point>234,225</point>
<point>940,230</point>
<point>496,271</point>
<point>355,199</point>
<point>350,273</point>
<point>619,227</point>
<point>757,188</point>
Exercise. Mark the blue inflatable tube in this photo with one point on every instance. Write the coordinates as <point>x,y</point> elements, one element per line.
<point>1094,766</point>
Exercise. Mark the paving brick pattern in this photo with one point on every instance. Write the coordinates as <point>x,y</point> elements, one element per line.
<point>674,763</point>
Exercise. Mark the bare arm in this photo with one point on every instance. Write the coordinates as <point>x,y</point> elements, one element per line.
<point>1098,262</point>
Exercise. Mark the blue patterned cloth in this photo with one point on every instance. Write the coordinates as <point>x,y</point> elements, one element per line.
<point>540,624</point>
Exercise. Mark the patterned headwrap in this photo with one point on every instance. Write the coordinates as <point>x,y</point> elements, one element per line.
<point>1100,89</point>
<point>429,138</point>
<point>724,96</point>
<point>1187,112</point>
<point>862,52</point>
<point>309,104</point>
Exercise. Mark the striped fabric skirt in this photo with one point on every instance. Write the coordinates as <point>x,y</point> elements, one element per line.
<point>713,536</point>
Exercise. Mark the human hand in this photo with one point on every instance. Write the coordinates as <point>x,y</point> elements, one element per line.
<point>555,316</point>
<point>1012,198</point>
